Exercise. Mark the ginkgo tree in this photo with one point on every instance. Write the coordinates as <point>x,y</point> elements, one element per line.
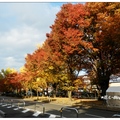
<point>34,66</point>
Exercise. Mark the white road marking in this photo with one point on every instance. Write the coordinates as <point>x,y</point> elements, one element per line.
<point>36,113</point>
<point>15,108</point>
<point>94,115</point>
<point>118,115</point>
<point>4,105</point>
<point>52,116</point>
<point>2,113</point>
<point>9,106</point>
<point>24,111</point>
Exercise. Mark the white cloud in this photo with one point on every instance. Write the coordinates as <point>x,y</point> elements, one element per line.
<point>40,15</point>
<point>29,23</point>
<point>11,61</point>
<point>24,38</point>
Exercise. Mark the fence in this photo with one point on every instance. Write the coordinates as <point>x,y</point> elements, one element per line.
<point>67,108</point>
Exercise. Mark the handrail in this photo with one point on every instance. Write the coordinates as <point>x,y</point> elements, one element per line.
<point>11,101</point>
<point>61,111</point>
<point>41,105</point>
<point>2,100</point>
<point>23,102</point>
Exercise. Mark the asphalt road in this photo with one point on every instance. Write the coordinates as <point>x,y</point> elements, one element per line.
<point>17,108</point>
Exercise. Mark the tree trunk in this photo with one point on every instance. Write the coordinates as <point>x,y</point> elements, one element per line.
<point>37,94</point>
<point>70,94</point>
<point>104,85</point>
<point>54,93</point>
<point>26,93</point>
<point>31,93</point>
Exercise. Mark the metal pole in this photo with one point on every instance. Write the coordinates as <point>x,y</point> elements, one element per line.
<point>3,100</point>
<point>11,102</point>
<point>43,110</point>
<point>69,109</point>
<point>24,104</point>
<point>35,106</point>
<point>77,114</point>
<point>18,105</point>
<point>61,113</point>
<point>6,101</point>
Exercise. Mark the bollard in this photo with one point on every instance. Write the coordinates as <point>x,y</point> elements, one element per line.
<point>61,113</point>
<point>11,102</point>
<point>24,104</point>
<point>7,102</point>
<point>43,110</point>
<point>18,105</point>
<point>35,107</point>
<point>3,100</point>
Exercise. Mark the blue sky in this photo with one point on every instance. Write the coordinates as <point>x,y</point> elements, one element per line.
<point>23,27</point>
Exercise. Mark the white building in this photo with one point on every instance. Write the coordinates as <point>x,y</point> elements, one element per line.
<point>113,95</point>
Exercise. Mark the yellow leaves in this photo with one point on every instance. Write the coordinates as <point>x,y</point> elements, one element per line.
<point>40,82</point>
<point>68,88</point>
<point>51,67</point>
<point>38,79</point>
<point>78,81</point>
<point>39,46</point>
<point>113,6</point>
<point>34,85</point>
<point>64,77</point>
<point>22,69</point>
<point>117,11</point>
<point>11,70</point>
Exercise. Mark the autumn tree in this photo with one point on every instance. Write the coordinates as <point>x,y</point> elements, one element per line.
<point>65,40</point>
<point>34,66</point>
<point>8,81</point>
<point>14,82</point>
<point>104,36</point>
